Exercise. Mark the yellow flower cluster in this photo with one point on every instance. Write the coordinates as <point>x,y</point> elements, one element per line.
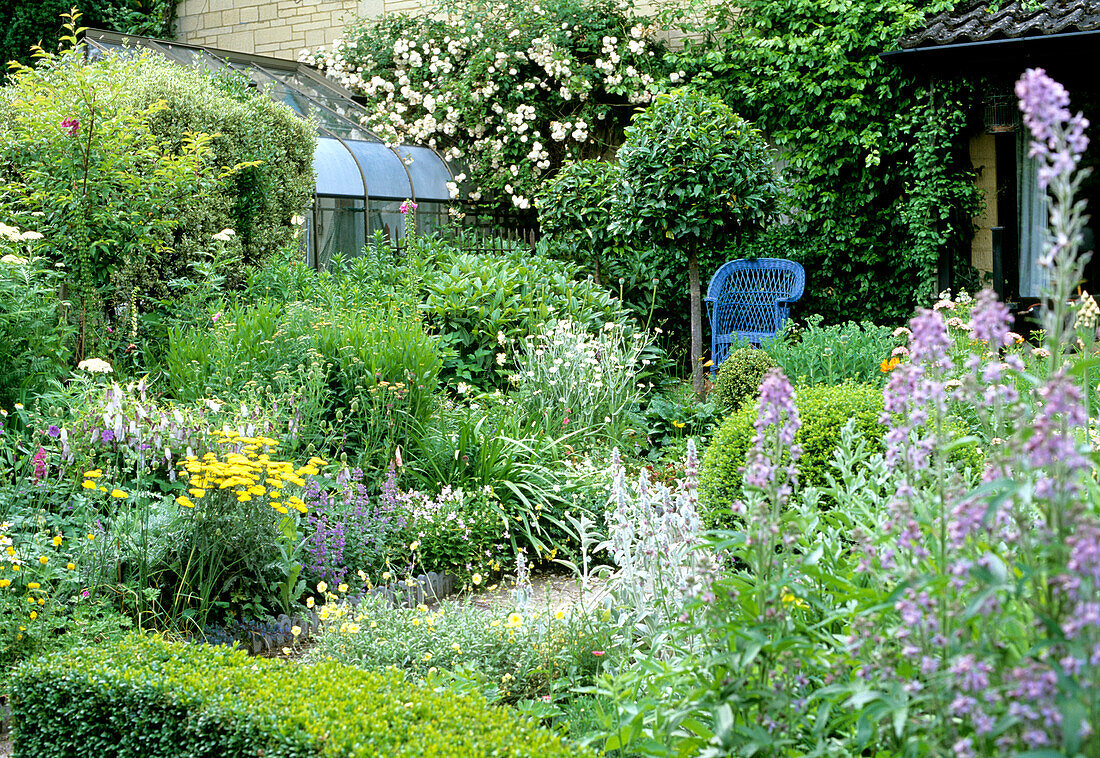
<point>248,471</point>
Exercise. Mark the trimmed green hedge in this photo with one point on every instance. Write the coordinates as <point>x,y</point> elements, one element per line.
<point>739,377</point>
<point>824,410</point>
<point>145,697</point>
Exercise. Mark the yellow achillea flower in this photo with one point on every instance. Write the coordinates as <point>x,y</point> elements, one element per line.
<point>197,492</point>
<point>88,484</point>
<point>5,583</point>
<point>116,492</point>
<point>93,474</point>
<point>185,501</point>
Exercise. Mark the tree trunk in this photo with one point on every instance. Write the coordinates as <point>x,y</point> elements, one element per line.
<point>697,381</point>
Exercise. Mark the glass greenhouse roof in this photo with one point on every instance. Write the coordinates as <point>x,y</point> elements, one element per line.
<point>350,160</point>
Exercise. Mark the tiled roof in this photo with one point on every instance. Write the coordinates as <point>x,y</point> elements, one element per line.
<point>971,21</point>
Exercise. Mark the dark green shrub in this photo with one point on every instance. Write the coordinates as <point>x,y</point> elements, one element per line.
<point>25,23</point>
<point>145,697</point>
<point>739,377</point>
<point>259,200</point>
<point>824,410</point>
<point>483,305</point>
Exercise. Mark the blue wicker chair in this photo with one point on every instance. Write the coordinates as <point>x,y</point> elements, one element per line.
<point>750,300</point>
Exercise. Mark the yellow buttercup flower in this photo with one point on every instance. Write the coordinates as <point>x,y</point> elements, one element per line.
<point>33,585</point>
<point>70,566</point>
<point>44,560</point>
<point>57,540</point>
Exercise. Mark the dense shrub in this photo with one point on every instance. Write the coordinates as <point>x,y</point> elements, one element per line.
<point>739,377</point>
<point>824,411</point>
<point>484,305</point>
<point>131,167</point>
<point>880,182</point>
<point>85,170</point>
<point>145,697</point>
<point>248,127</point>
<point>25,23</point>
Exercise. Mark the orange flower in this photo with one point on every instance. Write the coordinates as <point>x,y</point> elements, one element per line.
<point>889,364</point>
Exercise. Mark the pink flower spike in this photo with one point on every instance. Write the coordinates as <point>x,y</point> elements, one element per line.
<point>407,206</point>
<point>597,653</point>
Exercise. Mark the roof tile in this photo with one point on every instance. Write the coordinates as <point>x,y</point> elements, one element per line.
<point>972,21</point>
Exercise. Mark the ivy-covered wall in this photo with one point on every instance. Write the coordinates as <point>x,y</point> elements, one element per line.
<point>879,182</point>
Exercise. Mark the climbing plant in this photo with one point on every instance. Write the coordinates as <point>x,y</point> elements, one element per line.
<point>879,183</point>
<point>26,23</point>
<point>511,89</point>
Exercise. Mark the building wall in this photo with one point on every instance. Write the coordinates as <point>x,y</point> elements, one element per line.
<point>279,28</point>
<point>282,28</point>
<point>983,157</point>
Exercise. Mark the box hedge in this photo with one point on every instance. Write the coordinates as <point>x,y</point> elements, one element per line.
<point>824,411</point>
<point>145,697</point>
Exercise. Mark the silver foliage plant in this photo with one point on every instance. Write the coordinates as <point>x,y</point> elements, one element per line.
<point>656,541</point>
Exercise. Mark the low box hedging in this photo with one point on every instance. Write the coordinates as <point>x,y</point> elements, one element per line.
<point>145,697</point>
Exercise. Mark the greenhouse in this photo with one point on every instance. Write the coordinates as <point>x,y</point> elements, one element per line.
<point>361,182</point>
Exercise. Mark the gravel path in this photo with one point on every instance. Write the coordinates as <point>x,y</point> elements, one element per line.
<point>550,592</point>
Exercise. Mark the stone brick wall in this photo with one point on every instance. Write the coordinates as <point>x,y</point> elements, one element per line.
<point>281,28</point>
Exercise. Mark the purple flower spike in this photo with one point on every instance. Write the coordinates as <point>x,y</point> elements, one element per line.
<point>1045,105</point>
<point>990,320</point>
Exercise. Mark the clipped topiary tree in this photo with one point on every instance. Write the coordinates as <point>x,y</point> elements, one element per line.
<point>693,173</point>
<point>740,376</point>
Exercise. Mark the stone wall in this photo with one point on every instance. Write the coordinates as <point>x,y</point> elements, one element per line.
<point>281,28</point>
